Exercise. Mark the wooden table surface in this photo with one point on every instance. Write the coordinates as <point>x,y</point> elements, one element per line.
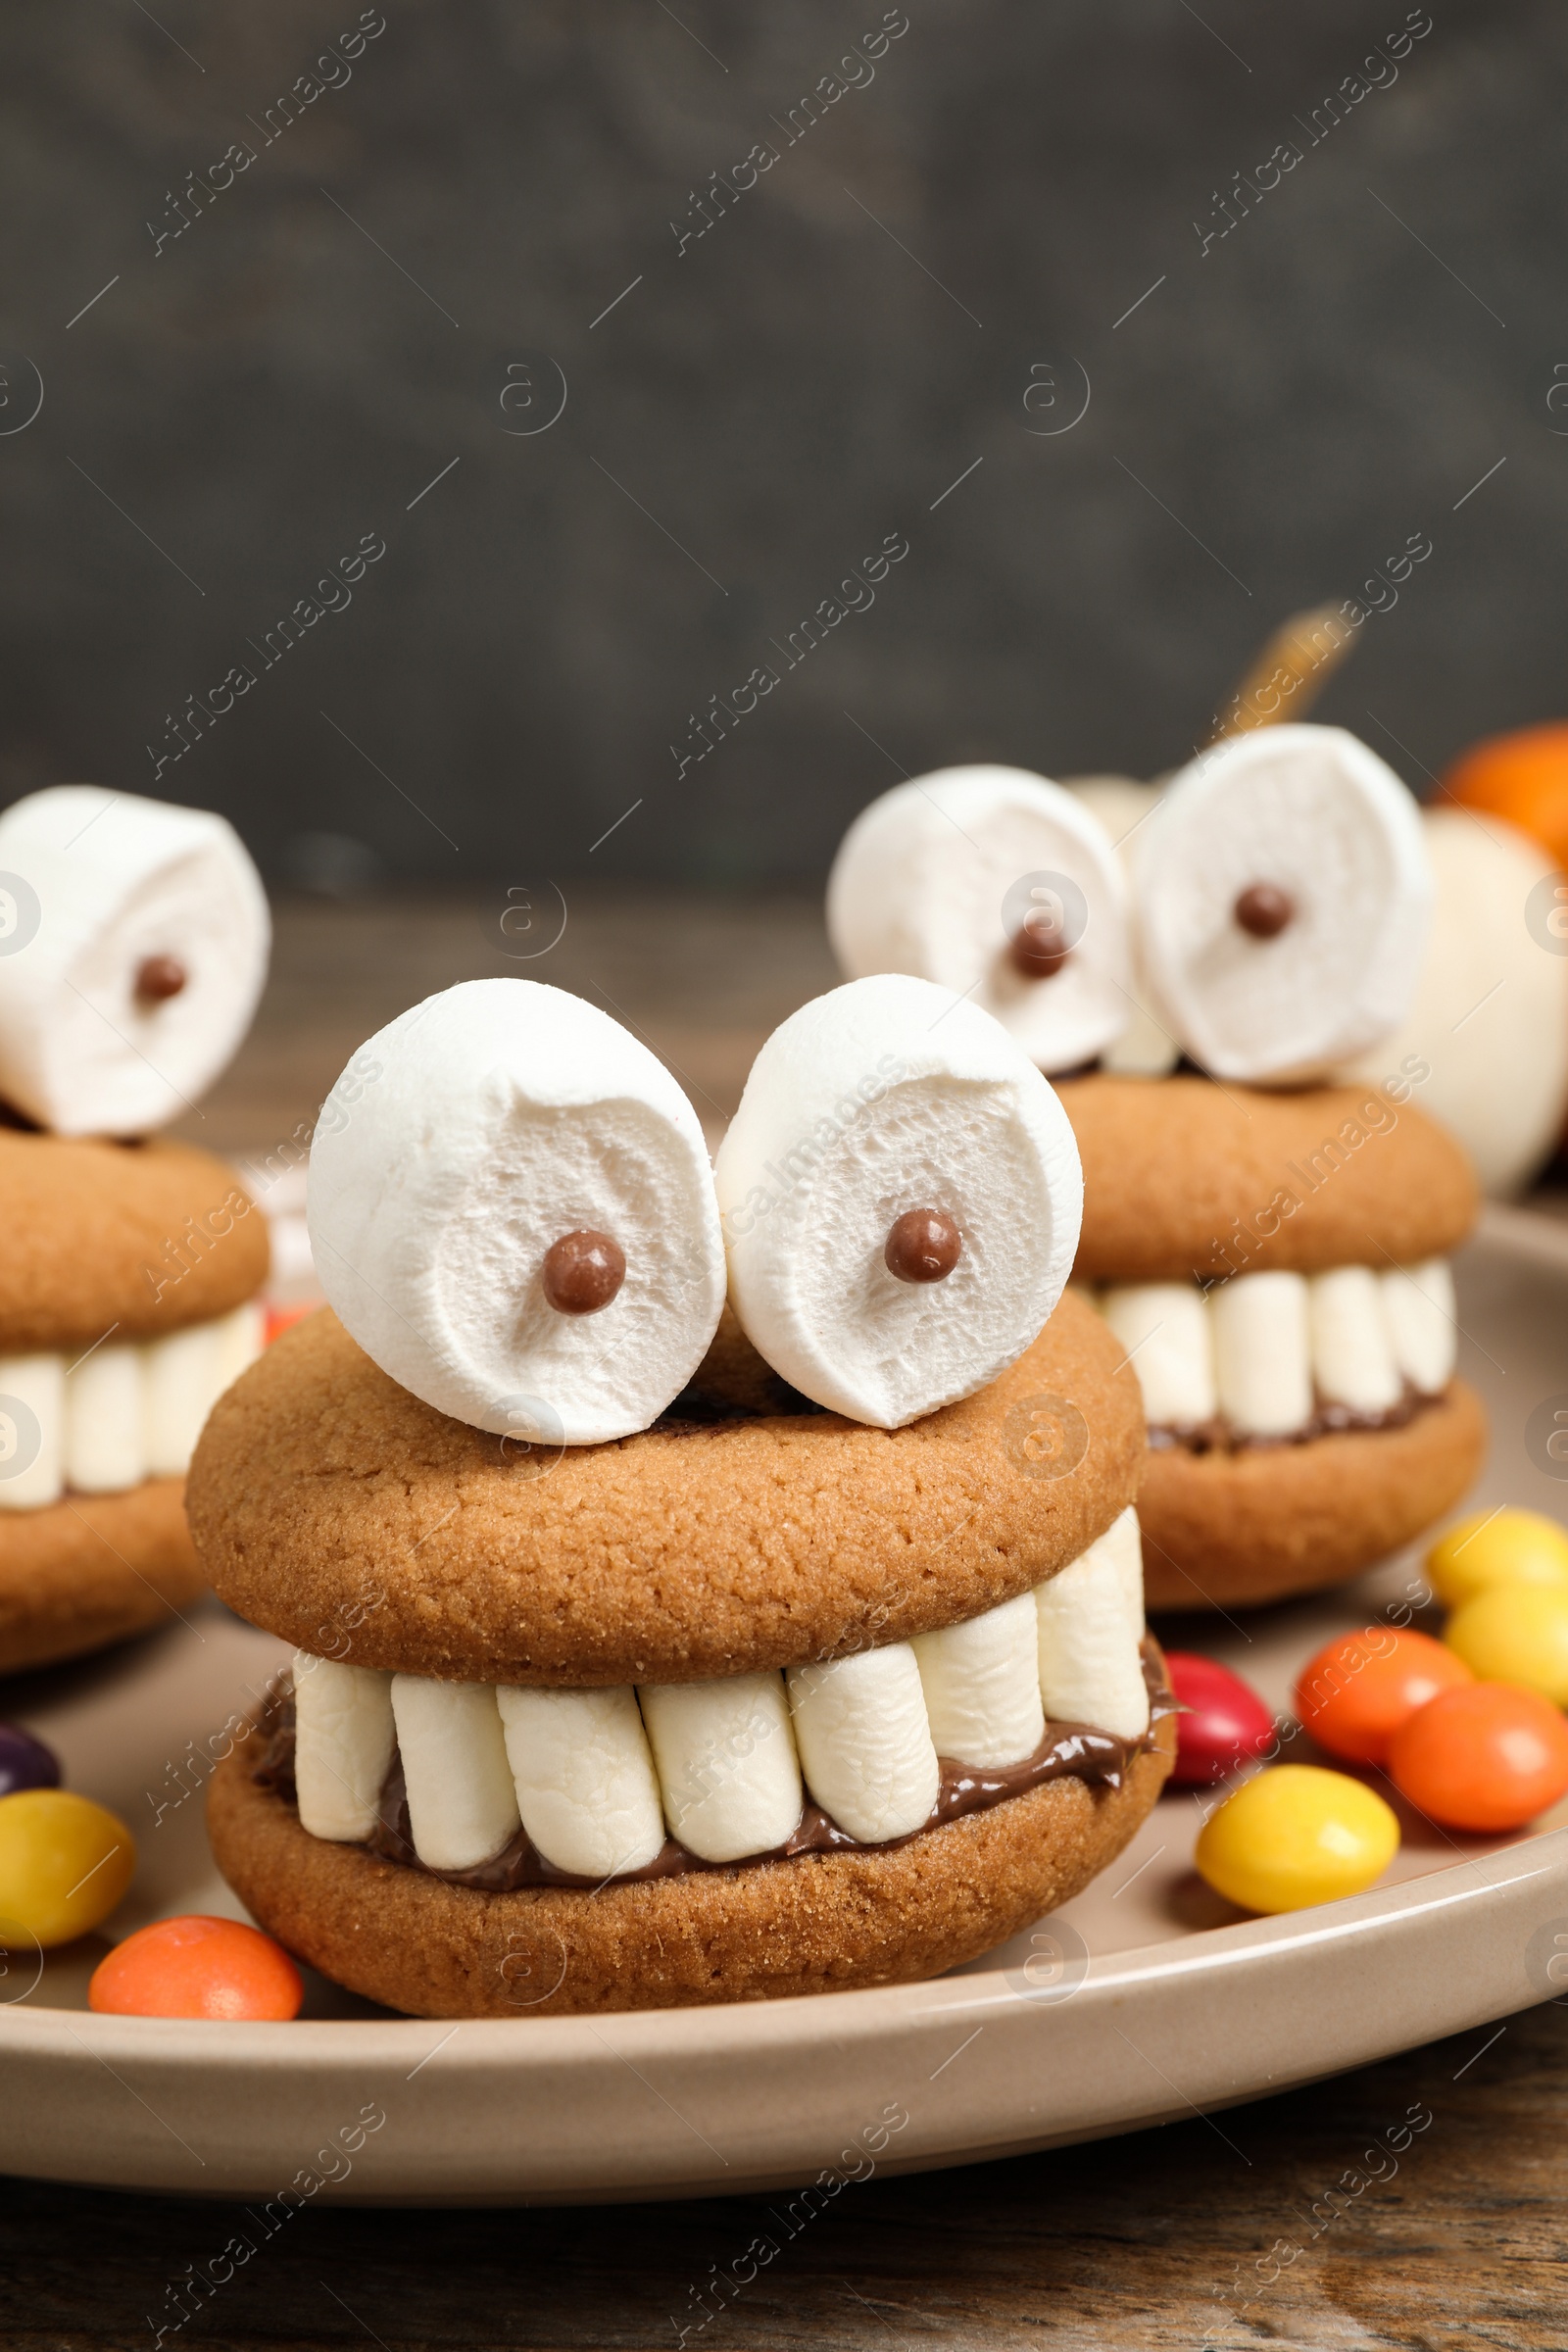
<point>1221,2234</point>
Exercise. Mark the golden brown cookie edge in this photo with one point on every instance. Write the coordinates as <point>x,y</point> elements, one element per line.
<point>324,1497</point>
<point>1258,1526</point>
<point>78,1575</point>
<point>1184,1178</point>
<point>817,1923</point>
<point>139,1239</point>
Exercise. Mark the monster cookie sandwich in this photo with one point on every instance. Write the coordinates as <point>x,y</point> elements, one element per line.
<point>684,1652</point>
<point>1270,1248</point>
<point>132,946</point>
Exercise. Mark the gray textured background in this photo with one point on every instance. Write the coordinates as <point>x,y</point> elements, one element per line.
<point>271,384</point>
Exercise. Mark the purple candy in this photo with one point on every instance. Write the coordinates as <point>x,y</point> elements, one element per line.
<point>25,1762</point>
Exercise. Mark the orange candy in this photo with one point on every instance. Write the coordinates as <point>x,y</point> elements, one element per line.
<point>1486,1756</point>
<point>197,1966</point>
<point>1523,777</point>
<point>1358,1692</point>
<point>283,1318</point>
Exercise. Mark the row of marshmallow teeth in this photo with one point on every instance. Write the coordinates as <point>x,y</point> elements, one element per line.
<point>1257,1346</point>
<point>119,1414</point>
<point>597,1777</point>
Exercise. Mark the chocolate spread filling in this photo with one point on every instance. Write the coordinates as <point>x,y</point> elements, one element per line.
<point>1078,1750</point>
<point>1219,1436</point>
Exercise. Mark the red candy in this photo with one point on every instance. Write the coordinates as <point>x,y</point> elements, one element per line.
<point>1226,1726</point>
<point>197,1966</point>
<point>1355,1694</point>
<point>283,1318</point>
<point>1485,1756</point>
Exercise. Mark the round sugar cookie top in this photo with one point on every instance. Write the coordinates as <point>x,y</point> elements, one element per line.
<point>142,1237</point>
<point>1185,1178</point>
<point>338,1511</point>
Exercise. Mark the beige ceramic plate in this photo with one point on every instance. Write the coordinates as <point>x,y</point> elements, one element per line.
<point>1145,2000</point>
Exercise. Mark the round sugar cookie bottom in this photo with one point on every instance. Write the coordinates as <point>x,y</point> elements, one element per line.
<point>1222,1528</point>
<point>91,1569</point>
<point>817,1923</point>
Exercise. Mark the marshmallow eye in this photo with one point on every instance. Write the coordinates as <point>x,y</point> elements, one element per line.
<point>901,1197</point>
<point>1284,896</point>
<point>133,943</point>
<point>513,1211</point>
<point>995,884</point>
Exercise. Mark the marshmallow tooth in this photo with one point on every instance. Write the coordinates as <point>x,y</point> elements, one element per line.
<point>182,1379</point>
<point>584,1776</point>
<point>1285,895</point>
<point>106,1436</point>
<point>981,1683</point>
<point>901,1195</point>
<point>135,939</point>
<point>865,1742</point>
<point>32,1430</point>
<point>1262,1354</point>
<point>729,1773</point>
<point>462,1804</point>
<point>998,885</point>
<point>1165,1328</point>
<point>343,1740</point>
<point>1090,1625</point>
<point>1352,1351</point>
<point>511,1211</point>
<point>1419,1305</point>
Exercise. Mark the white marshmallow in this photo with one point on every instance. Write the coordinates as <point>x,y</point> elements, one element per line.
<point>918,886</point>
<point>1419,1303</point>
<point>1123,1539</point>
<point>887,1095</point>
<point>1146,1047</point>
<point>105,881</point>
<point>106,1416</point>
<point>462,1143</point>
<point>865,1742</point>
<point>343,1740</point>
<point>1313,811</point>
<point>181,1379</point>
<point>241,1339</point>
<point>585,1781</point>
<point>1262,1352</point>
<point>1352,1351</point>
<point>32,1430</point>
<point>1091,1670</point>
<point>462,1804</point>
<point>1166,1330</point>
<point>981,1683</point>
<point>1485,1043</point>
<point>728,1775</point>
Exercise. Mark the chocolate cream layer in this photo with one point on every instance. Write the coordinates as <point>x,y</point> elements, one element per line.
<point>1079,1751</point>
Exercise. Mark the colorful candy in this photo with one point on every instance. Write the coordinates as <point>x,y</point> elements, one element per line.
<point>65,1863</point>
<point>1297,1834</point>
<point>26,1762</point>
<point>1224,1725</point>
<point>1515,1634</point>
<point>1486,1757</point>
<point>1497,1547</point>
<point>1356,1693</point>
<point>197,1966</point>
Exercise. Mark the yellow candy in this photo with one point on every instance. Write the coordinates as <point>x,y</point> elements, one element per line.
<point>64,1865</point>
<point>1506,1547</point>
<point>1515,1634</point>
<point>1297,1834</point>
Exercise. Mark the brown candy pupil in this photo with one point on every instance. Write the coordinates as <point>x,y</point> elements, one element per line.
<point>1037,947</point>
<point>922,1245</point>
<point>1264,909</point>
<point>582,1272</point>
<point>159,977</point>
